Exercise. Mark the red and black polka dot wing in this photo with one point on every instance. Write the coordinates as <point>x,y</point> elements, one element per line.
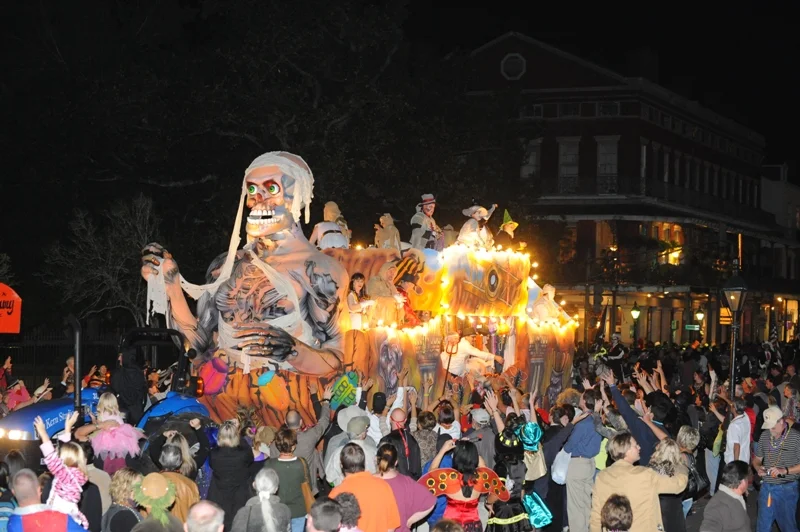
<point>442,481</point>
<point>488,482</point>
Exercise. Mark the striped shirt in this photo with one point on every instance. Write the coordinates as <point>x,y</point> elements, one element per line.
<point>785,455</point>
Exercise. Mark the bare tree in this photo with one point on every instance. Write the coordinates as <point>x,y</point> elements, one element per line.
<point>6,275</point>
<point>97,270</point>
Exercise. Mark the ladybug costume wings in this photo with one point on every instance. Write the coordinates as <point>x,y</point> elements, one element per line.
<point>447,481</point>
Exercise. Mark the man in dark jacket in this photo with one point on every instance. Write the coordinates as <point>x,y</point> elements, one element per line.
<point>409,461</point>
<point>130,385</point>
<point>726,511</point>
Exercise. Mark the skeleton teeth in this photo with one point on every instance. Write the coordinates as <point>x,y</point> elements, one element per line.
<point>264,221</point>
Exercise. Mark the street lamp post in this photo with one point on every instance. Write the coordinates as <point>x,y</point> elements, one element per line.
<point>699,315</point>
<point>735,291</point>
<point>635,313</point>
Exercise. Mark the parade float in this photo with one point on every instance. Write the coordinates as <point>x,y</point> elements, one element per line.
<point>273,321</point>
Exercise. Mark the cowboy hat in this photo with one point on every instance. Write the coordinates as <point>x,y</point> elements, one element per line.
<point>349,413</point>
<point>427,199</point>
<point>476,209</point>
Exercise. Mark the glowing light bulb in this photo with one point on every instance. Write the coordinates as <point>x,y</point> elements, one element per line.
<point>563,302</point>
<point>380,323</point>
<point>394,325</point>
<point>359,247</point>
<point>460,316</point>
<point>575,317</point>
<point>535,264</point>
<point>535,276</point>
<point>529,309</point>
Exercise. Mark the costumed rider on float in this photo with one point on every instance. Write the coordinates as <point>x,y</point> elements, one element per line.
<point>475,232</point>
<point>468,358</point>
<point>545,307</point>
<point>505,236</point>
<point>406,284</point>
<point>425,234</point>
<point>332,232</point>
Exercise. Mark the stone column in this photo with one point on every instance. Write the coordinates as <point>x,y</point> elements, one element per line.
<point>643,142</point>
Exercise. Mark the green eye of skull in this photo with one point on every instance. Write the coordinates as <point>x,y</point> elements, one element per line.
<point>251,189</point>
<point>273,188</point>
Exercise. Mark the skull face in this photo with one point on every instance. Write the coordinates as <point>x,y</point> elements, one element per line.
<point>428,209</point>
<point>269,198</point>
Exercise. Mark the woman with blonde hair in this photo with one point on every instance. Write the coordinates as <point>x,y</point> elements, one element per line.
<point>665,460</point>
<point>265,512</point>
<point>414,501</point>
<point>112,439</point>
<point>123,515</point>
<point>232,466</point>
<point>190,462</point>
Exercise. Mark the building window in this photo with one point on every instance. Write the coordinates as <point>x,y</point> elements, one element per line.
<point>687,176</point>
<point>608,109</point>
<point>655,115</point>
<point>716,181</point>
<point>755,195</point>
<point>677,125</point>
<point>568,154</point>
<point>607,148</point>
<point>513,67</point>
<point>666,121</point>
<point>707,179</point>
<point>666,167</point>
<point>740,196</point>
<point>724,188</point>
<point>797,217</point>
<point>569,109</point>
<point>532,160</point>
<point>677,171</point>
<point>655,233</point>
<point>531,111</point>
<point>697,175</point>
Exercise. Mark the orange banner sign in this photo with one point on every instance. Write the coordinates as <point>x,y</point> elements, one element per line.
<point>10,310</point>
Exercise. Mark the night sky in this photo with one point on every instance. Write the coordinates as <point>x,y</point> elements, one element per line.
<point>738,61</point>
